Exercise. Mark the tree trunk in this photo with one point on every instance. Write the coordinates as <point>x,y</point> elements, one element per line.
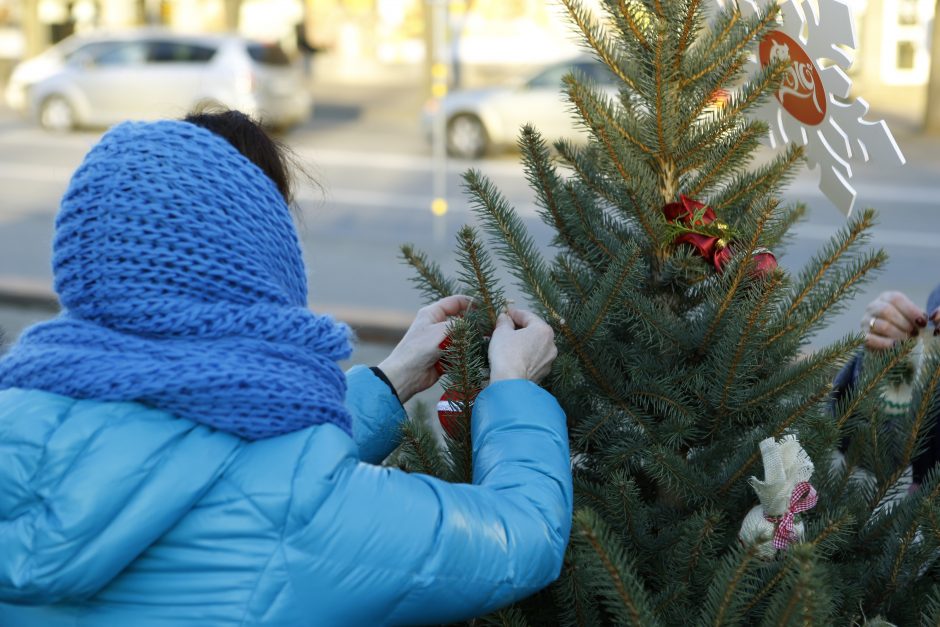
<point>932,116</point>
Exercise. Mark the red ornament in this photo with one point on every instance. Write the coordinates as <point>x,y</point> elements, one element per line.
<point>722,256</point>
<point>716,249</point>
<point>692,213</point>
<point>684,211</point>
<point>439,365</point>
<point>764,263</point>
<point>450,410</point>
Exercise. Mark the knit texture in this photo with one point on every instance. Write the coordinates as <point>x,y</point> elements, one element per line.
<point>183,287</point>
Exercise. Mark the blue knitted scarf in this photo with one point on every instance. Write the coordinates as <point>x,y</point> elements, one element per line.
<point>183,287</point>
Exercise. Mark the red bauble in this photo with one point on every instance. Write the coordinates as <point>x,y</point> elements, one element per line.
<point>439,364</point>
<point>450,411</point>
<point>764,263</point>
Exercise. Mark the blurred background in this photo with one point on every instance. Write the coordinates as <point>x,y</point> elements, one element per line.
<point>386,103</point>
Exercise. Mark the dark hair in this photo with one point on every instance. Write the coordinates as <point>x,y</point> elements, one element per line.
<point>250,139</point>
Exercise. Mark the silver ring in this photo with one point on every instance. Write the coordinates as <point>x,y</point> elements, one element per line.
<point>871,324</point>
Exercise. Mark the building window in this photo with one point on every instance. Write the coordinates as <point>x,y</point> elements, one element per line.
<point>904,39</point>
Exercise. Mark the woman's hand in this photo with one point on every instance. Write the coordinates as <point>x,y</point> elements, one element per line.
<point>410,366</point>
<point>890,318</point>
<point>522,347</point>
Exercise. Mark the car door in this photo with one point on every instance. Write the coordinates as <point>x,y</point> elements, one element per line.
<point>111,81</point>
<point>540,101</point>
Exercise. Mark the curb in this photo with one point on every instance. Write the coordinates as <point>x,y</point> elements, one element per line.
<point>371,325</point>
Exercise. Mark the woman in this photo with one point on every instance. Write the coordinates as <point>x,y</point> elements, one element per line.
<point>180,447</point>
<point>890,318</point>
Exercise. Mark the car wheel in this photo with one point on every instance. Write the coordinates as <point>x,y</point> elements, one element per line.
<point>57,114</point>
<point>466,137</point>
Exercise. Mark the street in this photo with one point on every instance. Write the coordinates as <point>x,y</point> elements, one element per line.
<point>366,152</point>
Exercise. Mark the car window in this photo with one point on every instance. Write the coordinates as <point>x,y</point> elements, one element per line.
<point>178,52</point>
<point>598,72</point>
<point>90,51</point>
<point>268,54</point>
<point>127,53</point>
<point>549,78</point>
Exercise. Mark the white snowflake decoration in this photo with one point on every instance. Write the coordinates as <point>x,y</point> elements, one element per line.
<point>812,107</point>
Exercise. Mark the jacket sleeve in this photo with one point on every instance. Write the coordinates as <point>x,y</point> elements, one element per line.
<point>376,414</point>
<point>400,549</point>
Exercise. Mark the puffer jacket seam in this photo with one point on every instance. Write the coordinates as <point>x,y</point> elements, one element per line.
<point>280,541</point>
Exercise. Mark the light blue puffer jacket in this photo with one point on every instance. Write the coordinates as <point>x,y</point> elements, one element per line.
<point>120,515</point>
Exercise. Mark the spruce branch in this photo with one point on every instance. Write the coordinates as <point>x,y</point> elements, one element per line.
<point>931,616</point>
<point>598,114</point>
<point>730,20</point>
<point>753,93</point>
<point>610,144</point>
<point>576,601</point>
<point>567,275</point>
<point>610,292</point>
<point>507,617</point>
<point>770,586</point>
<point>516,246</point>
<point>662,80</point>
<point>741,269</point>
<point>801,600</point>
<point>835,531</point>
<point>731,585</point>
<point>739,148</point>
<point>587,225</point>
<point>463,378</point>
<point>778,431</point>
<point>758,309</point>
<point>543,178</point>
<point>783,224</point>
<point>419,451</point>
<point>853,235</point>
<point>707,95</point>
<point>430,280</point>
<point>761,182</point>
<point>752,32</point>
<point>615,578</point>
<point>597,39</point>
<point>836,294</point>
<point>477,271</point>
<point>687,23</point>
<point>587,168</point>
<point>871,379</point>
<point>624,503</point>
<point>813,371</point>
<point>629,14</point>
<point>924,403</point>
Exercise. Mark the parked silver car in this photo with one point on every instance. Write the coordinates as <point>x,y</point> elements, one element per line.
<point>484,120</point>
<point>101,79</point>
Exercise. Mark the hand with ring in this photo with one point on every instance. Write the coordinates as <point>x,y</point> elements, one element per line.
<point>890,318</point>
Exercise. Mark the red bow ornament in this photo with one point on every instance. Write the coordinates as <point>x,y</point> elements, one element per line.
<point>713,241</point>
<point>803,498</point>
<point>692,215</point>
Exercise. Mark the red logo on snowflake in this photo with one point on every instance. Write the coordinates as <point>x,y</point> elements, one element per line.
<point>801,94</point>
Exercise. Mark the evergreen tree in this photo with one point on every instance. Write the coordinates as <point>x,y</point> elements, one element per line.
<point>682,347</point>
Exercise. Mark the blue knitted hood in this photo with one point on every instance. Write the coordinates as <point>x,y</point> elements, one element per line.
<point>183,287</point>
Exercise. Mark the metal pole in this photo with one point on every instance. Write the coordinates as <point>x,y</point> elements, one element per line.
<point>439,68</point>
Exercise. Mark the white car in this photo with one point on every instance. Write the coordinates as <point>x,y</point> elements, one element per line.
<point>101,79</point>
<point>484,120</point>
